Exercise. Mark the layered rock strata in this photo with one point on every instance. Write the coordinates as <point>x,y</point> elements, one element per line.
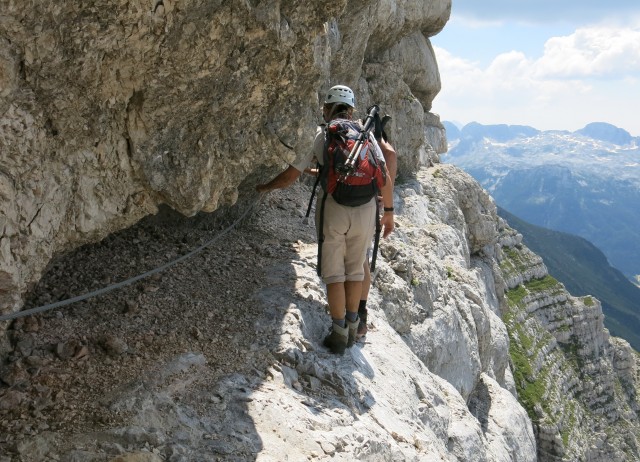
<point>578,384</point>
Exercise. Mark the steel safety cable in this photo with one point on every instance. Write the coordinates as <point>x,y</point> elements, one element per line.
<point>118,285</point>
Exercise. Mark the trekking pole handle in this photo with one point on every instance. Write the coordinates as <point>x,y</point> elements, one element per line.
<point>373,112</point>
<point>364,134</point>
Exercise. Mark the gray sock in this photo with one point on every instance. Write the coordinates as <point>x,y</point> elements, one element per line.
<point>340,322</point>
<point>351,316</point>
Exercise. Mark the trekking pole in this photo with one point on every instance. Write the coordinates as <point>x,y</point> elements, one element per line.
<point>313,193</point>
<point>350,164</point>
<point>376,239</point>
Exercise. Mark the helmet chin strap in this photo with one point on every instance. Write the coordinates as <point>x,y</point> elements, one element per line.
<point>333,114</point>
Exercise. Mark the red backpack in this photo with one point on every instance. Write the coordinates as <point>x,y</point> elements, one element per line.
<point>351,180</point>
<point>356,183</point>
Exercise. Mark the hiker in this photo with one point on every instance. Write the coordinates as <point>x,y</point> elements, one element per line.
<point>344,232</point>
<point>390,158</point>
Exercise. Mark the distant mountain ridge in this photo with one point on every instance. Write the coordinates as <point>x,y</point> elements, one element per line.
<point>585,183</point>
<point>600,131</point>
<point>500,132</point>
<point>607,132</point>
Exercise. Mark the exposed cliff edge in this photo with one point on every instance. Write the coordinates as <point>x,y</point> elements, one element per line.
<point>474,353</point>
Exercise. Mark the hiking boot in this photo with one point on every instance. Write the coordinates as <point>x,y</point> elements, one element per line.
<point>362,327</point>
<point>362,330</point>
<point>337,339</point>
<point>353,331</point>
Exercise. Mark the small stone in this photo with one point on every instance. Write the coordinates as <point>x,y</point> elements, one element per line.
<point>36,361</point>
<point>314,383</point>
<point>24,346</point>
<point>32,324</point>
<point>14,374</point>
<point>65,350</point>
<point>328,448</point>
<point>195,333</point>
<point>81,353</point>
<point>11,400</point>
<point>130,306</point>
<point>43,426</point>
<point>114,346</point>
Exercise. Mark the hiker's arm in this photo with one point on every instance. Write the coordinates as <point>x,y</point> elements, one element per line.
<point>313,170</point>
<point>387,200</point>
<point>390,158</point>
<point>283,180</point>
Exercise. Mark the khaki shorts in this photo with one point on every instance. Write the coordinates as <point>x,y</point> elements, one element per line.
<point>347,236</point>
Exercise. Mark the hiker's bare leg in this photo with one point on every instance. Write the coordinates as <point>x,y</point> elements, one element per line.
<point>366,283</point>
<point>343,295</point>
<point>337,299</point>
<point>353,290</point>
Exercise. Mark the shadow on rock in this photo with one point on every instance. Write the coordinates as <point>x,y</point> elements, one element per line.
<point>182,365</point>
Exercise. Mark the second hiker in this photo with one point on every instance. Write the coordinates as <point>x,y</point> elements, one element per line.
<point>345,215</point>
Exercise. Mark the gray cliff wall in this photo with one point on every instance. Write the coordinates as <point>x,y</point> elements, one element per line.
<point>112,108</point>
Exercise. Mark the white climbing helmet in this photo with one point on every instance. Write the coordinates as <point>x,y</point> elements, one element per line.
<point>341,94</point>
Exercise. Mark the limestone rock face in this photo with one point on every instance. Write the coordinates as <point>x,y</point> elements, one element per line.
<point>112,108</point>
<point>453,326</point>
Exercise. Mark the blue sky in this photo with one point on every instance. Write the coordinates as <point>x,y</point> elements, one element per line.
<point>551,64</point>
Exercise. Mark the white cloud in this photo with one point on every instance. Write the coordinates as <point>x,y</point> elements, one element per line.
<point>511,78</point>
<point>515,89</point>
<point>588,75</point>
<point>602,52</point>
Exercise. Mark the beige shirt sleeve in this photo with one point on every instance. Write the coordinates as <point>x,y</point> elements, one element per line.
<point>377,152</point>
<point>304,161</point>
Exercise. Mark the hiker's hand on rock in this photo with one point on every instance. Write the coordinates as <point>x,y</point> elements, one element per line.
<point>387,223</point>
